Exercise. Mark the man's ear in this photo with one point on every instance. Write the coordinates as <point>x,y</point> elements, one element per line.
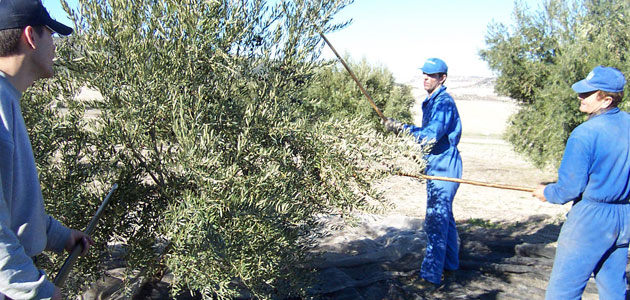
<point>29,36</point>
<point>443,78</point>
<point>607,101</point>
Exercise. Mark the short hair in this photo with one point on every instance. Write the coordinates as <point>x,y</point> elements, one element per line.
<point>616,97</point>
<point>10,40</point>
<point>443,74</point>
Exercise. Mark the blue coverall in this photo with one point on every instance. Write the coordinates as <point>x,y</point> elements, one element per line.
<point>595,172</point>
<point>440,124</point>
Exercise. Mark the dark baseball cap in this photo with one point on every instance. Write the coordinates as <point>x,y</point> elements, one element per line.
<point>22,13</point>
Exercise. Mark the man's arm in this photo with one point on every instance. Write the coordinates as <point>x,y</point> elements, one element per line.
<point>19,278</point>
<point>57,235</point>
<point>438,125</point>
<point>573,171</point>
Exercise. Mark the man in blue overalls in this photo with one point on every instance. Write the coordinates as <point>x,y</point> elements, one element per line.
<point>595,174</point>
<point>441,127</point>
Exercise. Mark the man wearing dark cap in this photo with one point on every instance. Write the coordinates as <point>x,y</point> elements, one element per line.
<point>441,127</point>
<point>26,54</point>
<point>595,175</point>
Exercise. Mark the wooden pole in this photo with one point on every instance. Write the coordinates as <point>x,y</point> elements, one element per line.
<point>78,248</point>
<point>478,183</point>
<point>365,93</point>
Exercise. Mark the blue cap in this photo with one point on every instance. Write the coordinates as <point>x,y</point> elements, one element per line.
<point>22,13</point>
<point>433,66</point>
<point>605,79</point>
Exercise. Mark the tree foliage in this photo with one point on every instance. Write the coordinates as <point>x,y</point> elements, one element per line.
<point>543,54</point>
<point>204,120</point>
<point>336,94</point>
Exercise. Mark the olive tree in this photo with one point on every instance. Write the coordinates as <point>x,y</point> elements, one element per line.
<point>542,55</point>
<point>200,118</point>
<point>342,98</point>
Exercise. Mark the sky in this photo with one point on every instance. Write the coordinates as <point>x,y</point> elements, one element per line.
<point>402,34</point>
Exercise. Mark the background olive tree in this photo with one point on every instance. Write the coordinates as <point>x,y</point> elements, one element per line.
<point>538,59</point>
<point>205,120</point>
<point>340,97</point>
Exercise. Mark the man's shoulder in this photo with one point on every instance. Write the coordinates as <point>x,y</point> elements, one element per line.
<point>7,103</point>
<point>444,100</point>
<point>7,92</point>
<point>624,114</point>
<point>443,96</point>
<point>602,124</point>
<point>613,118</point>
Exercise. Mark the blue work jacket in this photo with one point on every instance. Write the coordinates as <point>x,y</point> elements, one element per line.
<point>440,124</point>
<point>596,162</point>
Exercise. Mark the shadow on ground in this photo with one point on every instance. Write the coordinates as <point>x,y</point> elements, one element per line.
<point>497,261</point>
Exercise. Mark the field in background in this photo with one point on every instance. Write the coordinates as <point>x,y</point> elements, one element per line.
<point>486,157</point>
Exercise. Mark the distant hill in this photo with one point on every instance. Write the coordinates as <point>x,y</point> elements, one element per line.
<point>465,88</point>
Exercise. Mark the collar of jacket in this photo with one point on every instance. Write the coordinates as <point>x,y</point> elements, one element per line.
<point>436,93</point>
<point>611,111</point>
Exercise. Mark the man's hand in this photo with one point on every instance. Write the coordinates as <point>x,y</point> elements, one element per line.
<point>76,237</point>
<point>539,193</point>
<point>392,125</point>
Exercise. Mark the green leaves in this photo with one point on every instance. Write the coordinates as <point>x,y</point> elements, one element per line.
<point>202,119</point>
<point>543,55</point>
<point>334,93</point>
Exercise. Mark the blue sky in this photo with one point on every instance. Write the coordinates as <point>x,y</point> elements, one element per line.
<point>401,34</point>
<point>56,11</point>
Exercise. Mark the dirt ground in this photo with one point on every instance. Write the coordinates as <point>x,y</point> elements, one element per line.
<point>489,161</point>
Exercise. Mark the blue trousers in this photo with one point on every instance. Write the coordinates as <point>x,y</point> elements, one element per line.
<point>593,240</point>
<point>442,250</point>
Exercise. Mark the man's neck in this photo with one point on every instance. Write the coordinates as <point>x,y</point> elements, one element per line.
<point>14,70</point>
<point>437,88</point>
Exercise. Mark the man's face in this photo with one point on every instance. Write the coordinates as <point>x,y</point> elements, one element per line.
<point>432,82</point>
<point>590,102</point>
<point>44,53</point>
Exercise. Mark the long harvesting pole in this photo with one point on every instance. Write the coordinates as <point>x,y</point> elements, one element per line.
<point>365,93</point>
<point>465,181</point>
<point>78,248</point>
